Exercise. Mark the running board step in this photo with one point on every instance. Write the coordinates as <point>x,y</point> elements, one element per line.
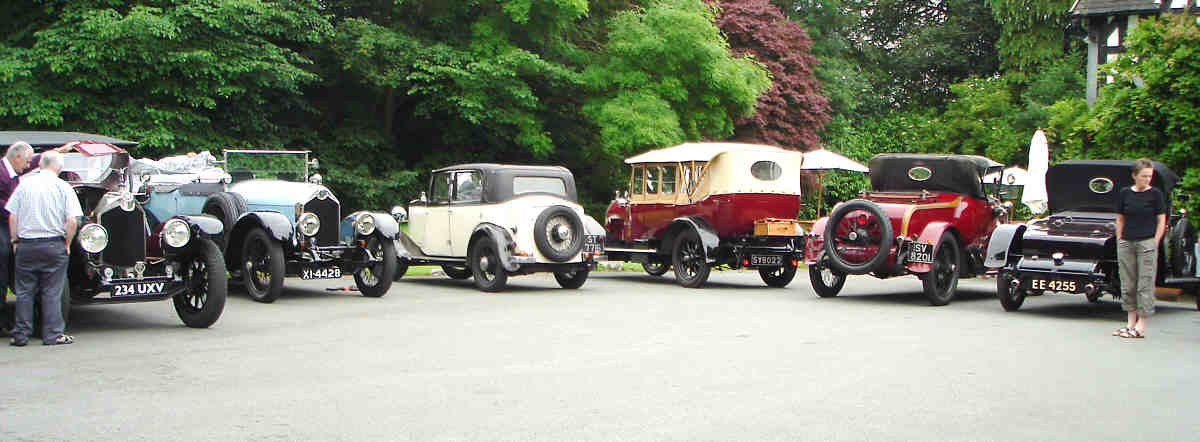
<point>1181,281</point>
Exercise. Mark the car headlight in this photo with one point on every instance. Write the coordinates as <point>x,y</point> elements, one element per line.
<point>309,224</point>
<point>93,238</point>
<point>176,233</point>
<point>365,224</point>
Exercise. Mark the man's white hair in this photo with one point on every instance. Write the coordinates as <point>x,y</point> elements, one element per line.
<point>51,160</point>
<point>18,149</point>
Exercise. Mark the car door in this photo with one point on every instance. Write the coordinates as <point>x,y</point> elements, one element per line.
<point>466,205</point>
<point>437,221</point>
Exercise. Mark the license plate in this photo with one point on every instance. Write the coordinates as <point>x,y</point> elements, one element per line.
<point>320,273</point>
<point>918,252</point>
<point>130,289</point>
<point>766,260</point>
<point>592,244</point>
<point>1054,285</point>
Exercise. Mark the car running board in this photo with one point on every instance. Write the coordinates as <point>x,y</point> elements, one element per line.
<point>1174,281</point>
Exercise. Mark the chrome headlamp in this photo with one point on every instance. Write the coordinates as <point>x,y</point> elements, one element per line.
<point>93,238</point>
<point>176,233</point>
<point>309,224</point>
<point>364,224</point>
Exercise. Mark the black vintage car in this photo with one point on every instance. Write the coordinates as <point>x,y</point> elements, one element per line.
<point>1074,249</point>
<point>123,252</point>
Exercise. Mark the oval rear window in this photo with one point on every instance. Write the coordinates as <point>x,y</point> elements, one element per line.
<point>1101,185</point>
<point>920,173</point>
<point>766,170</point>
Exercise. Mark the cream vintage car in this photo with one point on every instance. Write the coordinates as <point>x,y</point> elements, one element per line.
<point>699,205</point>
<point>492,221</point>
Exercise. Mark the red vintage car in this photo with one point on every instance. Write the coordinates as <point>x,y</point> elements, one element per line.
<point>700,205</point>
<point>926,215</point>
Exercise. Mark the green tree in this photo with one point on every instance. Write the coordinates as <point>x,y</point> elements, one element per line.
<point>165,73</point>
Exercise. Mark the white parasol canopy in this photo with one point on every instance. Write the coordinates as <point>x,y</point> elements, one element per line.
<point>822,159</point>
<point>1034,195</point>
<point>1013,176</point>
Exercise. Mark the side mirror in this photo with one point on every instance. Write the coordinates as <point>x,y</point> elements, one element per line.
<point>399,214</point>
<point>313,163</point>
<point>423,198</point>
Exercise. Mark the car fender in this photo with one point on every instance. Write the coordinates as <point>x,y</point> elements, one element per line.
<point>592,227</point>
<point>930,235</point>
<point>504,243</point>
<point>1001,243</point>
<point>708,236</point>
<point>202,226</point>
<point>814,243</point>
<point>385,226</point>
<point>276,224</point>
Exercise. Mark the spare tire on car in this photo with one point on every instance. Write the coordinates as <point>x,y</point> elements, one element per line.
<point>558,233</point>
<point>227,207</point>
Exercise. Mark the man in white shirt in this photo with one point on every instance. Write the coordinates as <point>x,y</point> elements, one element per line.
<point>42,222</point>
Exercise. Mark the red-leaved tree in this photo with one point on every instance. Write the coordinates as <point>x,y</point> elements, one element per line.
<point>792,113</point>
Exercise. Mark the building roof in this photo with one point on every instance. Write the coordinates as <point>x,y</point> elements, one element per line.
<point>1112,7</point>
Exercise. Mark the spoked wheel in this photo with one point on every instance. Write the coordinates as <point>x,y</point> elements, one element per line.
<point>456,272</point>
<point>374,280</point>
<point>572,279</point>
<point>207,286</point>
<point>263,266</point>
<point>825,281</point>
<point>858,237</point>
<point>777,277</point>
<point>942,280</point>
<point>1010,298</point>
<point>486,267</point>
<point>656,266</point>
<point>691,268</point>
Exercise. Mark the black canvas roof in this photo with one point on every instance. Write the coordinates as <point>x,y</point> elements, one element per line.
<point>498,178</point>
<point>1067,184</point>
<point>44,140</point>
<point>951,173</point>
<point>1113,7</point>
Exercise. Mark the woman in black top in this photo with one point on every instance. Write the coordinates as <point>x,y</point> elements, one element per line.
<point>1141,221</point>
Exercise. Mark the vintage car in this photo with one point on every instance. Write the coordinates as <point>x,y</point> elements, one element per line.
<point>491,221</point>
<point>696,206</point>
<point>123,252</point>
<point>1074,250</point>
<point>925,214</point>
<point>281,221</point>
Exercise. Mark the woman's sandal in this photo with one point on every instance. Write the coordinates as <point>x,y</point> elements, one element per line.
<point>1121,330</point>
<point>1132,333</point>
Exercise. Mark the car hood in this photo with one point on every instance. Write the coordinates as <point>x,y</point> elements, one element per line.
<point>1080,235</point>
<point>277,192</point>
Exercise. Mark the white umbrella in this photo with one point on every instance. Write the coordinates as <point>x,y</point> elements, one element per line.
<point>1013,176</point>
<point>822,159</point>
<point>1034,194</point>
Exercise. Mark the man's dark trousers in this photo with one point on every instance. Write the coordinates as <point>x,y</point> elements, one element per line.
<point>41,272</point>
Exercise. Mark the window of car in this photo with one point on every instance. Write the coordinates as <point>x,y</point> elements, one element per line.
<point>652,177</point>
<point>638,177</point>
<point>468,186</point>
<point>668,179</point>
<point>539,184</point>
<point>440,192</point>
<point>766,170</point>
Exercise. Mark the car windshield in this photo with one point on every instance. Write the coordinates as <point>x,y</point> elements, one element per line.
<point>267,164</point>
<point>80,168</point>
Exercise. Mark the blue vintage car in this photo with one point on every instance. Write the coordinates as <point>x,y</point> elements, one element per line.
<point>124,251</point>
<point>281,221</point>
